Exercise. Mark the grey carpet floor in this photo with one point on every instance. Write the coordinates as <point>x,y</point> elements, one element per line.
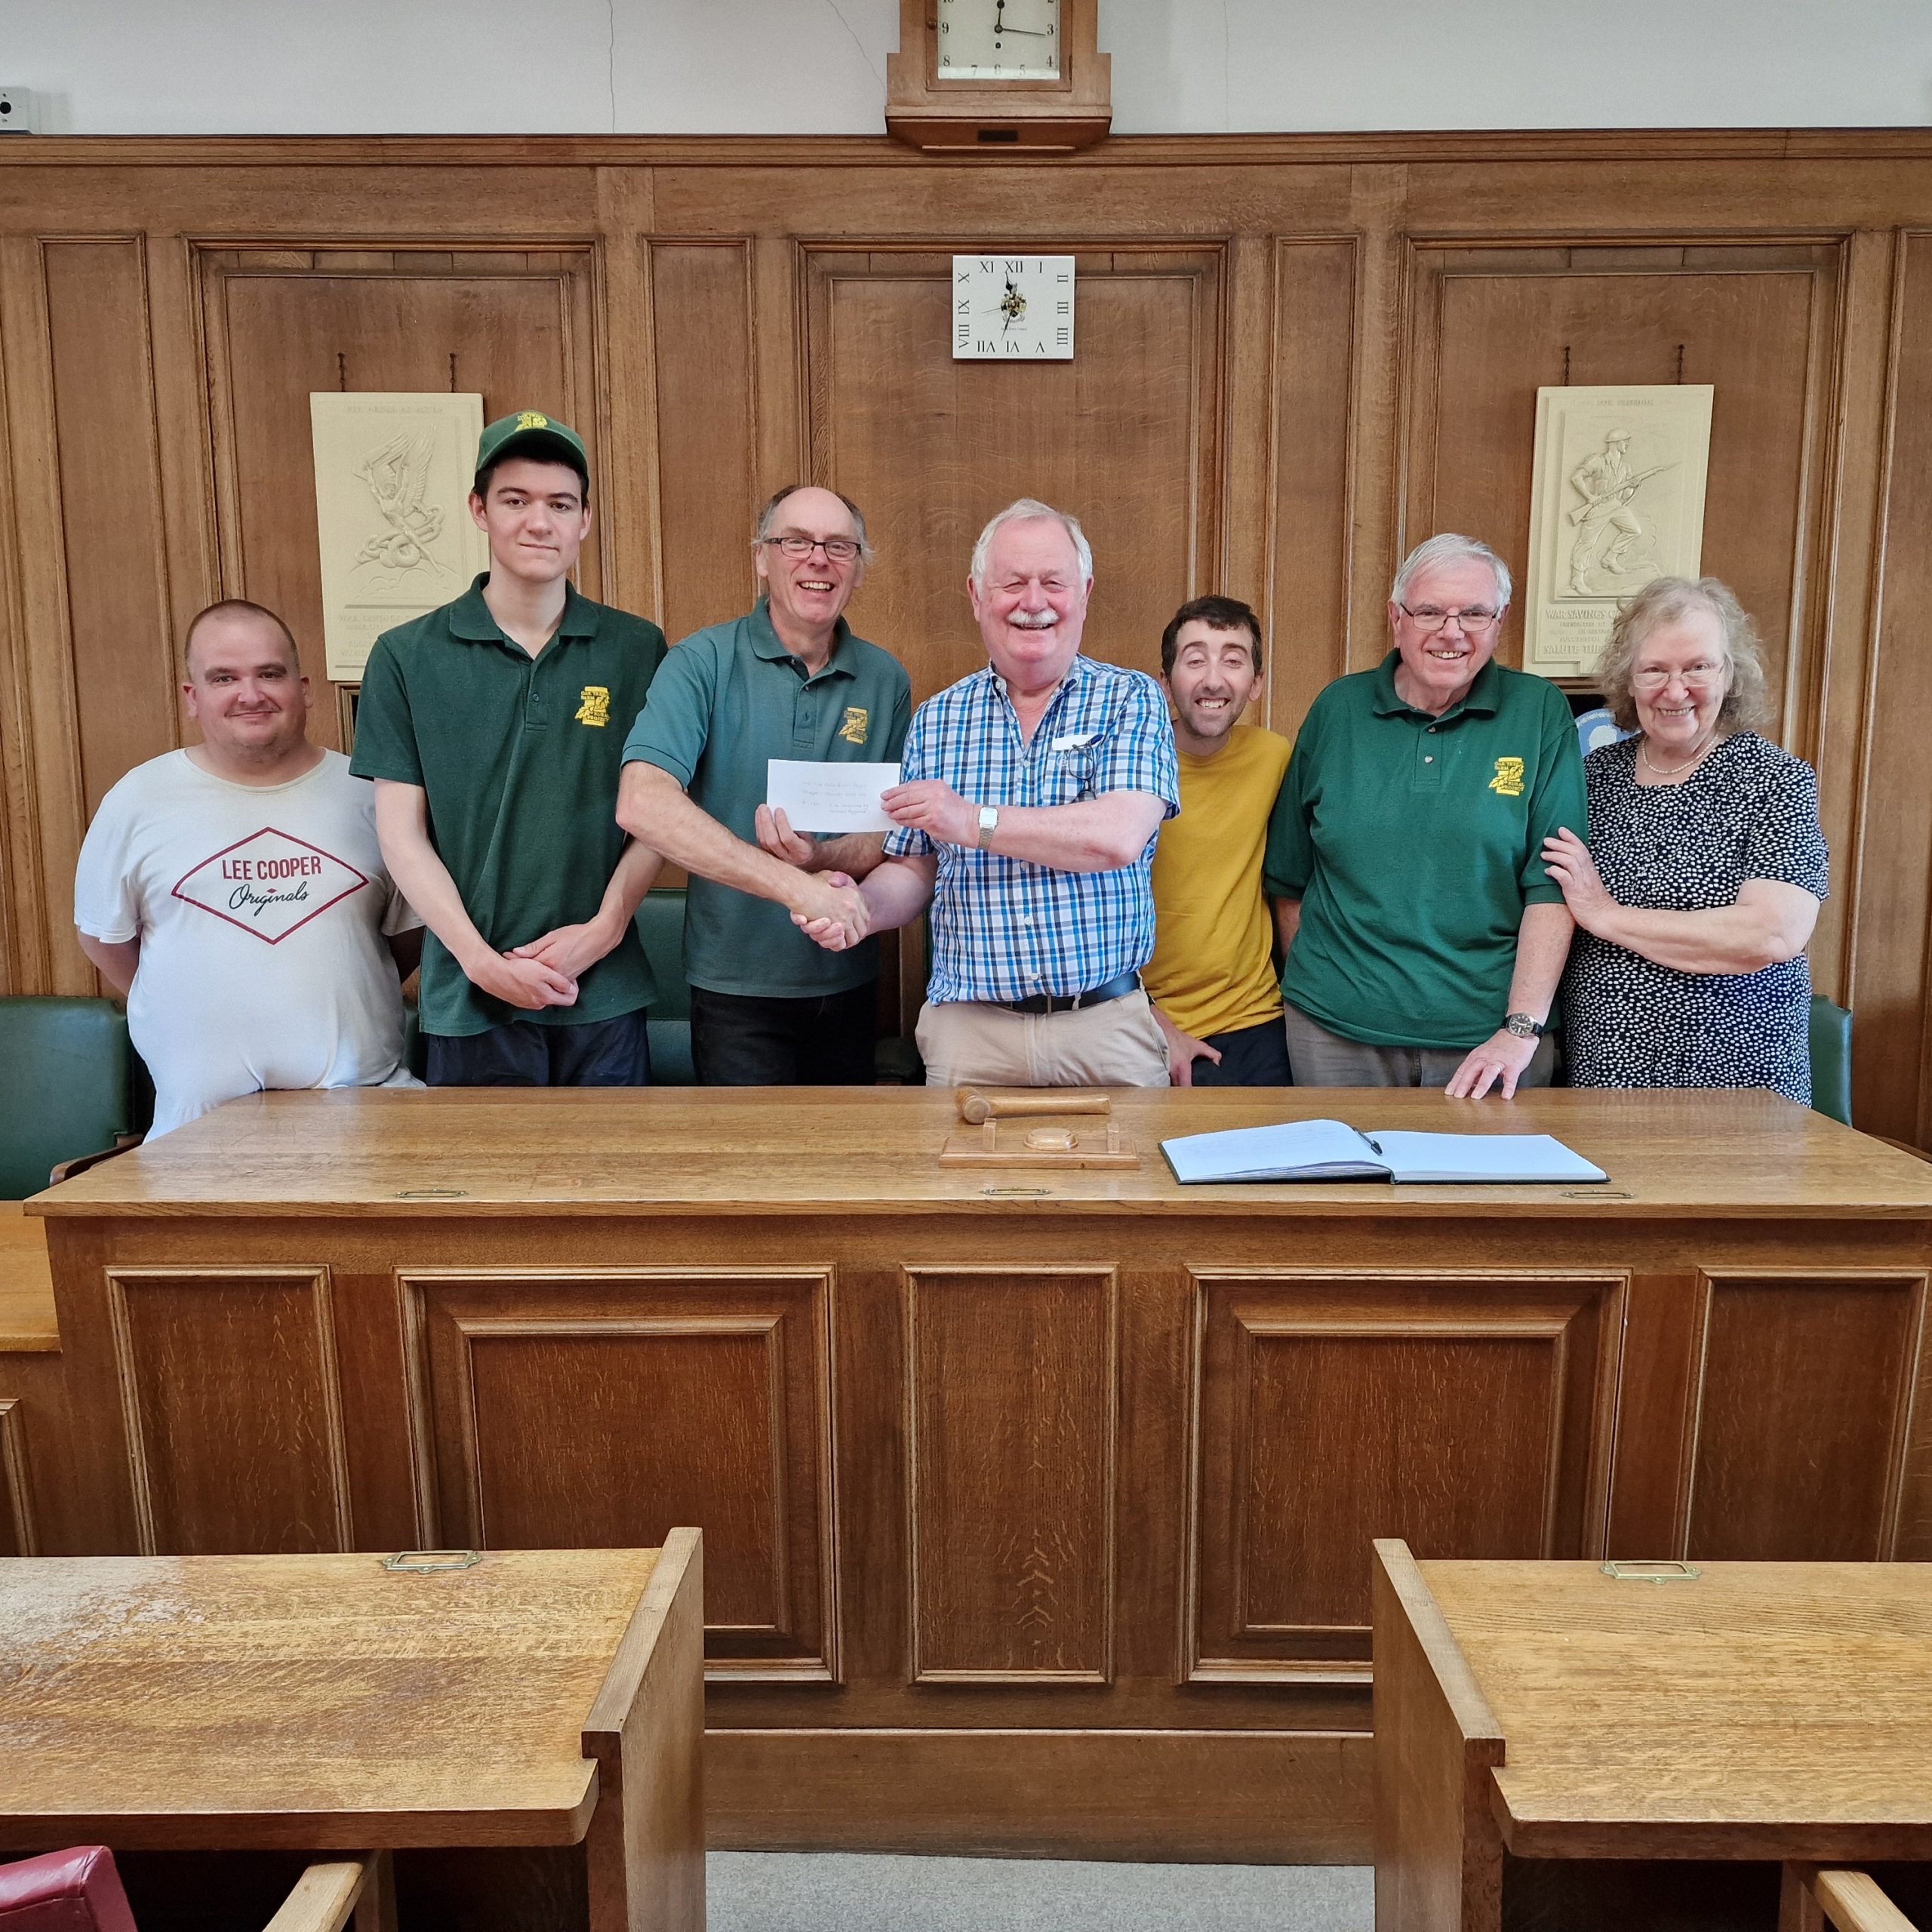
<point>755,1891</point>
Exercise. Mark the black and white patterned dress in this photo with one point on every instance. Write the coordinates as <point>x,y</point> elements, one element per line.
<point>1750,811</point>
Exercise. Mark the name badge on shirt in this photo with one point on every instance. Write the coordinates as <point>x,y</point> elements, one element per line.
<point>1073,741</point>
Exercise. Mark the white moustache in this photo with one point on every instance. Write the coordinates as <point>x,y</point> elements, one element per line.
<point>1032,620</point>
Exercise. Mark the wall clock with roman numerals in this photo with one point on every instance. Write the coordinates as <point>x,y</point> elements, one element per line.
<point>993,75</point>
<point>1012,308</point>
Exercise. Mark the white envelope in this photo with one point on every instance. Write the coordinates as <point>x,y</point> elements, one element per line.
<point>830,798</point>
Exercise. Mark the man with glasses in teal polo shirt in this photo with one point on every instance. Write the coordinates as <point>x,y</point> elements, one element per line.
<point>492,730</point>
<point>1424,937</point>
<point>790,680</point>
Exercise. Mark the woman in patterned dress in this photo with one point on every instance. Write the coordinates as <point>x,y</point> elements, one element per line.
<point>1698,890</point>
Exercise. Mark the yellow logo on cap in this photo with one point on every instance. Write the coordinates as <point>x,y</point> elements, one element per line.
<point>529,420</point>
<point>1507,782</point>
<point>853,729</point>
<point>595,707</point>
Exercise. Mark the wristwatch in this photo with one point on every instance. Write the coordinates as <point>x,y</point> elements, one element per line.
<point>1523,1026</point>
<point>989,824</point>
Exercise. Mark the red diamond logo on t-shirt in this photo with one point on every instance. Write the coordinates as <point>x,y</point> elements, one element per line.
<point>269,883</point>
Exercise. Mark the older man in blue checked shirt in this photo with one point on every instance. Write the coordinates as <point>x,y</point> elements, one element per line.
<point>1031,792</point>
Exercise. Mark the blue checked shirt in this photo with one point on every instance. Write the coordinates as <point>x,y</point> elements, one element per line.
<point>1005,929</point>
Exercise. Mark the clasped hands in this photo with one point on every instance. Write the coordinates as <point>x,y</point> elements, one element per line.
<point>546,971</point>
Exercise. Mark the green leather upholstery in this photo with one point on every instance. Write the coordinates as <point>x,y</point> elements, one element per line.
<point>660,925</point>
<point>1831,1059</point>
<point>67,1076</point>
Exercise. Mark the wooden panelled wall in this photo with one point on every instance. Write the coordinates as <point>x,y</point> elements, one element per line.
<point>1297,354</point>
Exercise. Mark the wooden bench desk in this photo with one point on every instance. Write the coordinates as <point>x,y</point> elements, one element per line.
<point>540,1712</point>
<point>1036,1503</point>
<point>1532,1712</point>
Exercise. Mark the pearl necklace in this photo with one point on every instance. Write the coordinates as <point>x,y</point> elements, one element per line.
<point>1675,770</point>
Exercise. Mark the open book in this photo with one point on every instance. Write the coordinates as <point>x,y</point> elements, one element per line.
<point>1328,1150</point>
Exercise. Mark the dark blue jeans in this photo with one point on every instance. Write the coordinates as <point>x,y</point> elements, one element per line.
<point>597,1052</point>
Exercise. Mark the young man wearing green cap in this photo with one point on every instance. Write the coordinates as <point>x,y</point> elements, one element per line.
<point>494,731</point>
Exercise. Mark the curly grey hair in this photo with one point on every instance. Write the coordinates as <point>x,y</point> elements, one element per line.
<point>1030,509</point>
<point>1662,600</point>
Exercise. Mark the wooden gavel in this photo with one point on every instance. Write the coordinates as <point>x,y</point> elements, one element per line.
<point>975,1106</point>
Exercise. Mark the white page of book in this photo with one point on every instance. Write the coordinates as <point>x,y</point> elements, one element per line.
<point>1310,1149</point>
<point>1481,1157</point>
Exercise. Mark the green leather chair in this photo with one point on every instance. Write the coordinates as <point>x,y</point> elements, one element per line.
<point>660,925</point>
<point>1831,1059</point>
<point>67,1064</point>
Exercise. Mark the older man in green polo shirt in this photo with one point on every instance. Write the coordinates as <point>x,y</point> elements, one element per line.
<point>492,730</point>
<point>790,680</point>
<point>1424,939</point>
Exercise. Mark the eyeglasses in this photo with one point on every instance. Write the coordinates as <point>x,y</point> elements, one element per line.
<point>1431,619</point>
<point>1653,677</point>
<point>840,549</point>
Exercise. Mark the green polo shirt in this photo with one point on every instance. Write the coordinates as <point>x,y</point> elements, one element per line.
<point>520,757</point>
<point>730,699</point>
<point>1413,843</point>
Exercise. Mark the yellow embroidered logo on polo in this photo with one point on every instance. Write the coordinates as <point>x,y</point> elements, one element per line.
<point>594,708</point>
<point>1507,782</point>
<point>529,420</point>
<point>853,729</point>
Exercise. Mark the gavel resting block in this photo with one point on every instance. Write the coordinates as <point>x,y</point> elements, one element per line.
<point>1037,1133</point>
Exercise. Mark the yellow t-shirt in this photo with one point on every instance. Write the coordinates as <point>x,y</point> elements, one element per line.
<point>1213,969</point>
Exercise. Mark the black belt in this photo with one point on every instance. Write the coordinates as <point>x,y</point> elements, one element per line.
<point>1113,988</point>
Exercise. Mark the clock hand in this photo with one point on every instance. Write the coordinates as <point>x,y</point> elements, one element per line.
<point>1032,33</point>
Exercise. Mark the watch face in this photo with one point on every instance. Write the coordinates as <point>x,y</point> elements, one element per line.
<point>998,40</point>
<point>1012,308</point>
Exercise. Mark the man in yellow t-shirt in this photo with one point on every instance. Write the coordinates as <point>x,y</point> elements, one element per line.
<point>1212,977</point>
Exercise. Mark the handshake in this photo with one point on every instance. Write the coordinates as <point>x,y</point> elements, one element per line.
<point>826,906</point>
<point>835,912</point>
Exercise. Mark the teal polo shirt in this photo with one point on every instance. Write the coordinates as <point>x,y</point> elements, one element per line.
<point>1413,843</point>
<point>519,756</point>
<point>730,699</point>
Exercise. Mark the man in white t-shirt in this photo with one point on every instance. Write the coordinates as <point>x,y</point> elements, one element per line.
<point>235,893</point>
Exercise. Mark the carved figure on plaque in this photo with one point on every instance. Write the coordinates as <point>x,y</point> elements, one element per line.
<point>397,474</point>
<point>1614,548</point>
<point>392,527</point>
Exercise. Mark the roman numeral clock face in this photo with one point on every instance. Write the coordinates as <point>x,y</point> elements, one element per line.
<point>998,40</point>
<point>1012,308</point>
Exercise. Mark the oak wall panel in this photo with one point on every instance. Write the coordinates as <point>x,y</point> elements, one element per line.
<point>1470,1416</point>
<point>281,323</point>
<point>1305,601</point>
<point>707,409</point>
<point>1800,1416</point>
<point>1892,1044</point>
<point>1011,1397</point>
<point>1757,322</point>
<point>1125,436</point>
<point>110,493</point>
<point>556,1409</point>
<point>233,1409</point>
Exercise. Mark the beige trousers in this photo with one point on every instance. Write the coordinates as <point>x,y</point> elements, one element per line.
<point>1323,1058</point>
<point>968,1043</point>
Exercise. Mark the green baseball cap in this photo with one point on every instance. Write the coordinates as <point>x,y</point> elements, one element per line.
<point>530,432</point>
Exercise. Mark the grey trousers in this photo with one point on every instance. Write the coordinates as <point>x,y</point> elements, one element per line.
<point>1323,1058</point>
